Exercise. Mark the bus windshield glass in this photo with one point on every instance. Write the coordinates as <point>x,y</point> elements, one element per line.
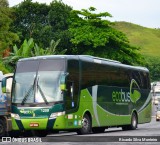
<point>38,81</point>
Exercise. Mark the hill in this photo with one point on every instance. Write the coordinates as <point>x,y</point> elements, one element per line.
<point>148,39</point>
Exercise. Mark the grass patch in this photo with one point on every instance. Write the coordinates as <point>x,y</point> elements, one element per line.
<point>148,39</point>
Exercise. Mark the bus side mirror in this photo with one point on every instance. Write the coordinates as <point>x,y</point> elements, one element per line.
<point>63,81</point>
<point>6,84</point>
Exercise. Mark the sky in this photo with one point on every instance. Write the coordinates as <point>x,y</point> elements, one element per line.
<point>142,12</point>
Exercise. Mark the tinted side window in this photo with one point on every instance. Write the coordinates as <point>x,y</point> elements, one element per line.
<point>142,78</point>
<point>103,74</point>
<point>124,78</point>
<point>145,80</point>
<point>88,74</point>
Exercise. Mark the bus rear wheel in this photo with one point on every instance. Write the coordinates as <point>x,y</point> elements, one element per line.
<point>134,122</point>
<point>86,125</point>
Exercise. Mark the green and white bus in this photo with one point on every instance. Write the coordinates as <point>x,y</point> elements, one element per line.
<point>80,93</point>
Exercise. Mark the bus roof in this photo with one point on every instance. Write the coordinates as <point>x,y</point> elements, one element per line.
<point>88,58</point>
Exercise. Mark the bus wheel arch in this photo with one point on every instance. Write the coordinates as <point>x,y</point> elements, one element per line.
<point>86,124</point>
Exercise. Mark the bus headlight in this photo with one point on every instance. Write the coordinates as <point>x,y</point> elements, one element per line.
<point>56,114</point>
<point>16,116</point>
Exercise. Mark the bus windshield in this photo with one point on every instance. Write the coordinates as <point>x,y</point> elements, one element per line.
<point>37,81</point>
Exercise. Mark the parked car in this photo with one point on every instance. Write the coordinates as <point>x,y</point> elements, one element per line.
<point>158,106</point>
<point>158,114</point>
<point>155,91</point>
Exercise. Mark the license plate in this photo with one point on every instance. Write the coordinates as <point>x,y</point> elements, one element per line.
<point>34,124</point>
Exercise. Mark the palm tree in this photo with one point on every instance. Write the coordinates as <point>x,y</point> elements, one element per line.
<point>29,49</point>
<point>23,52</point>
<point>51,50</point>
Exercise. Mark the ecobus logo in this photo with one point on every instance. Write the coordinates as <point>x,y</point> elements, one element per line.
<point>121,96</point>
<point>26,111</point>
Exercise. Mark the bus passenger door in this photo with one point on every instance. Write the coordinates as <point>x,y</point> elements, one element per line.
<point>69,95</point>
<point>72,86</point>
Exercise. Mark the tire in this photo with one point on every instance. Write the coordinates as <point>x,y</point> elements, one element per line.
<point>98,130</point>
<point>157,119</point>
<point>2,128</point>
<point>134,122</point>
<point>86,125</point>
<point>40,133</point>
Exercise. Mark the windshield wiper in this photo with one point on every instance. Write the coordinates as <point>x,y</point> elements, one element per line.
<point>41,92</point>
<point>28,92</point>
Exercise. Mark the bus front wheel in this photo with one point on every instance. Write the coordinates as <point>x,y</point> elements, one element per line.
<point>2,128</point>
<point>86,125</point>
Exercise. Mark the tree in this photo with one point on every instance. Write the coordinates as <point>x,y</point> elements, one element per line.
<point>59,15</point>
<point>153,64</point>
<point>30,18</point>
<point>28,49</point>
<point>7,37</point>
<point>23,52</point>
<point>43,23</point>
<point>4,3</point>
<point>94,35</point>
<point>51,50</point>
